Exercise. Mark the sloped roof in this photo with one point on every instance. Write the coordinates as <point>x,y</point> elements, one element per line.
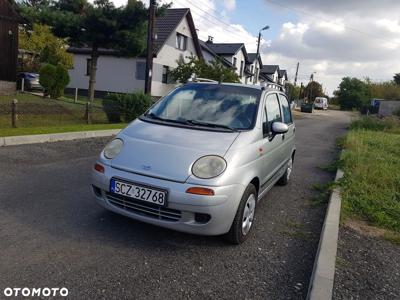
<point>166,24</point>
<point>283,73</point>
<point>269,69</point>
<point>252,57</point>
<point>225,48</point>
<point>205,47</point>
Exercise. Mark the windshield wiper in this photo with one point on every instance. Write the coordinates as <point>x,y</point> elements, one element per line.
<point>201,123</point>
<point>155,117</point>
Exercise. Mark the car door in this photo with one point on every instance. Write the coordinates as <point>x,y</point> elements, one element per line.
<point>271,145</point>
<point>288,137</point>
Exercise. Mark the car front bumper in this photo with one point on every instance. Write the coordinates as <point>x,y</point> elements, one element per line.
<point>197,214</point>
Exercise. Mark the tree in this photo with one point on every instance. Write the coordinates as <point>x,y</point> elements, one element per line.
<point>214,70</point>
<point>49,48</point>
<point>312,90</point>
<point>292,91</point>
<point>396,78</point>
<point>352,93</point>
<point>97,25</point>
<point>35,3</point>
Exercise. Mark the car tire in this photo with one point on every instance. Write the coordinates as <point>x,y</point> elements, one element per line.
<point>284,180</point>
<point>244,218</point>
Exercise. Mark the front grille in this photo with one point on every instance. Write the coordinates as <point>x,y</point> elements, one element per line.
<point>143,208</point>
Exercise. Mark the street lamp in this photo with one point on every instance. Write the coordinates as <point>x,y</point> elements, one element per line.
<point>258,52</point>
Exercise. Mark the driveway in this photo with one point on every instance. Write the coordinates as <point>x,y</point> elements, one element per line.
<point>53,235</point>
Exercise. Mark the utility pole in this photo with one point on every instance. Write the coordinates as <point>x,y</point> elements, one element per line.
<point>149,54</point>
<point>297,72</point>
<point>258,53</point>
<point>311,86</point>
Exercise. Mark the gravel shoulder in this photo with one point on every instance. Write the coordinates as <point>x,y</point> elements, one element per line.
<point>367,267</point>
<point>53,235</point>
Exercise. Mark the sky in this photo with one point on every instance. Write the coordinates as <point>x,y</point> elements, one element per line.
<point>358,38</point>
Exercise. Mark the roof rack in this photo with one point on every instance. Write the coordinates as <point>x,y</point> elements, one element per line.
<point>193,78</point>
<point>273,85</point>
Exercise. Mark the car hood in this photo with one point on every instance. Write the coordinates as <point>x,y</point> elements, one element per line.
<point>168,152</point>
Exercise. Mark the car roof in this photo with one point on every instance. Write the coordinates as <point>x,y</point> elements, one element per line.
<point>253,86</point>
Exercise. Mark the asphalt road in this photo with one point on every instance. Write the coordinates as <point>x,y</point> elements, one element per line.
<point>52,234</point>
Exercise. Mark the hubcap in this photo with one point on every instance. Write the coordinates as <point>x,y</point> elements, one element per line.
<point>289,168</point>
<point>248,214</point>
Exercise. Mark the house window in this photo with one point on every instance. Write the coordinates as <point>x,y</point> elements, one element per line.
<point>181,41</point>
<point>256,75</point>
<point>234,61</point>
<point>88,66</point>
<point>165,71</point>
<point>241,67</point>
<point>140,70</point>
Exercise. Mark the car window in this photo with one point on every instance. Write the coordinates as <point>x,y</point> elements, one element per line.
<point>287,115</point>
<point>233,106</point>
<point>273,109</point>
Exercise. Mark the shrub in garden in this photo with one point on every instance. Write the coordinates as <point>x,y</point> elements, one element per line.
<point>126,107</point>
<point>54,79</point>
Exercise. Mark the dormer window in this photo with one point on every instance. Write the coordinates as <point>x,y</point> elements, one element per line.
<point>181,41</point>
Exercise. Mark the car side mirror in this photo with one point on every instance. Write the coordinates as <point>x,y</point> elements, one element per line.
<point>279,128</point>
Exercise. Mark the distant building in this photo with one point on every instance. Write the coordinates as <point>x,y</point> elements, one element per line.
<point>176,40</point>
<point>254,66</point>
<point>9,19</point>
<point>236,54</point>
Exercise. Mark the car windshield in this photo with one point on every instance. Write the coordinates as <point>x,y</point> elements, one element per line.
<point>209,105</point>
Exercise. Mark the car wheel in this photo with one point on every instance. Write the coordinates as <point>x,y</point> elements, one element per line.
<point>284,180</point>
<point>244,218</point>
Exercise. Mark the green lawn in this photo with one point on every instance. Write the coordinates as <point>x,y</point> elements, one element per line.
<point>57,129</point>
<point>371,185</point>
<point>44,115</point>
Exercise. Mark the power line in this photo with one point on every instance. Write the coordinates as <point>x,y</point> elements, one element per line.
<point>227,26</point>
<point>330,21</point>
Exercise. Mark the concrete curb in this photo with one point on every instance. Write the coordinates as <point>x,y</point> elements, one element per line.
<point>322,277</point>
<point>55,137</point>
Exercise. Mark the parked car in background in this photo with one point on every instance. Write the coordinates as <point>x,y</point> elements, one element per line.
<point>31,81</point>
<point>321,103</point>
<point>199,160</point>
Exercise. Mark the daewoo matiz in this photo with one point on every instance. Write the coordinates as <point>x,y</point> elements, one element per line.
<point>199,159</point>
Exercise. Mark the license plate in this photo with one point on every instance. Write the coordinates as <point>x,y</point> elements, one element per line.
<point>138,192</point>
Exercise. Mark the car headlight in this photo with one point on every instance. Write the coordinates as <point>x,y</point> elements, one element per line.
<point>113,148</point>
<point>209,166</point>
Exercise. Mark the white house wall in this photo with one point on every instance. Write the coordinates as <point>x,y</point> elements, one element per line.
<point>114,74</point>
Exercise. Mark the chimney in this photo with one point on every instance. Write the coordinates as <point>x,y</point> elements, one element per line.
<point>210,39</point>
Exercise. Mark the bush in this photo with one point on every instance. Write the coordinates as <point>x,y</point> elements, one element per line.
<point>126,107</point>
<point>389,124</point>
<point>397,112</point>
<point>54,79</point>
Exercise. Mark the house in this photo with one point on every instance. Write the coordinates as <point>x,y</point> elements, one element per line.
<point>9,20</point>
<point>254,66</point>
<point>176,40</point>
<point>235,53</point>
<point>269,74</point>
<point>282,77</point>
<point>209,55</point>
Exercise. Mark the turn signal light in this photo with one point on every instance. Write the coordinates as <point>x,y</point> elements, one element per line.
<point>99,168</point>
<point>200,191</point>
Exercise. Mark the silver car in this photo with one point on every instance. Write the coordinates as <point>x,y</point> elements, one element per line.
<point>200,159</point>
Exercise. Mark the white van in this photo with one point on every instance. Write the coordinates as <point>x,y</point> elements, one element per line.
<point>321,103</point>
